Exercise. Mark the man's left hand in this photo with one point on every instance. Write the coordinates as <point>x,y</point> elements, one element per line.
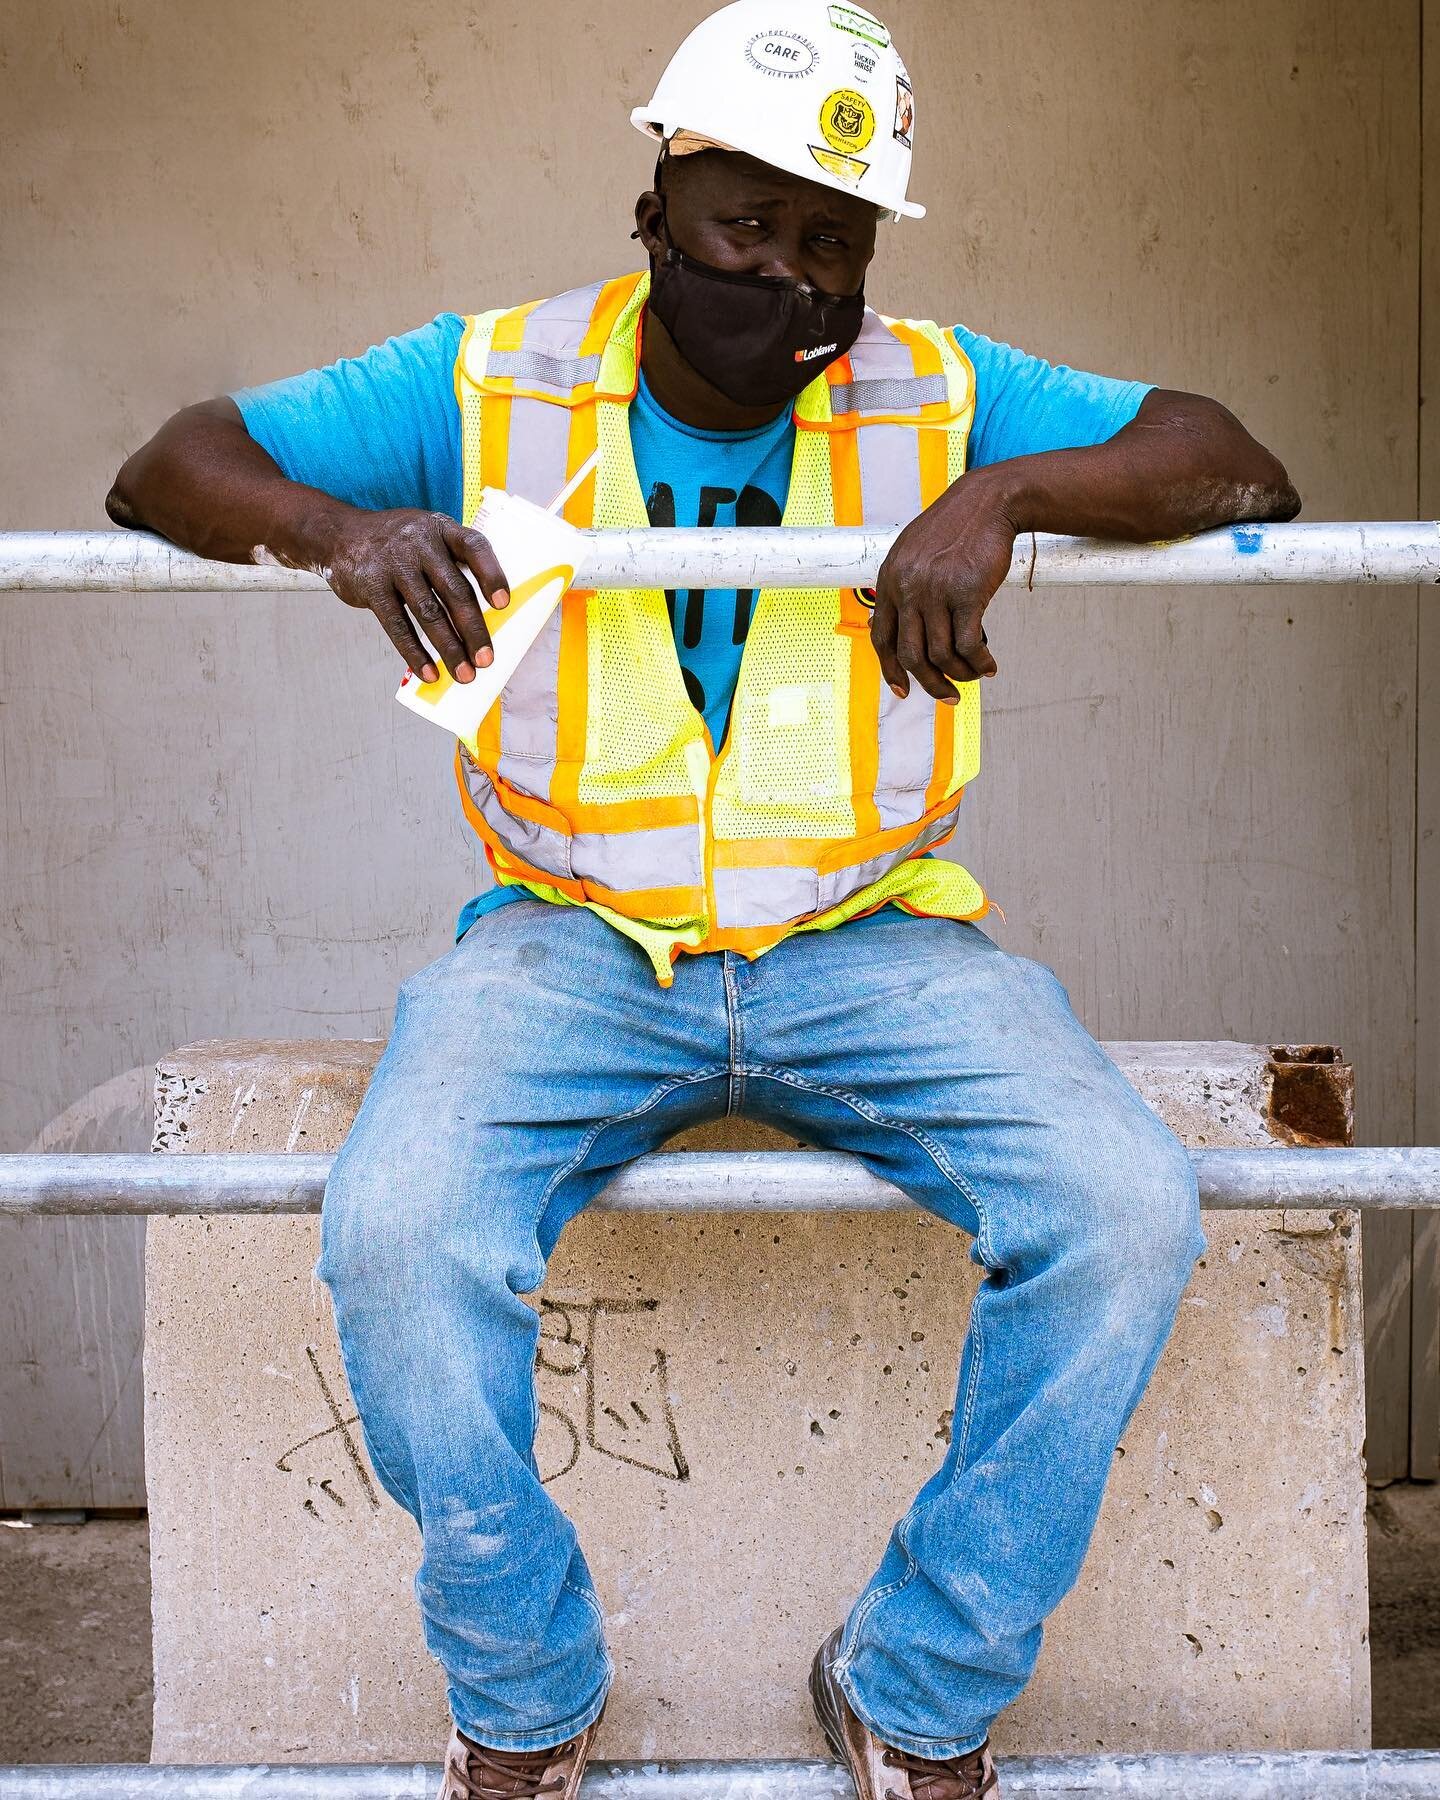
<point>933,588</point>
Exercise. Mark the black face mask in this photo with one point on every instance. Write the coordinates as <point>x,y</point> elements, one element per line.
<point>759,339</point>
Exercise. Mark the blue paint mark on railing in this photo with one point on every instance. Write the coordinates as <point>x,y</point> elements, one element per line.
<point>1249,539</point>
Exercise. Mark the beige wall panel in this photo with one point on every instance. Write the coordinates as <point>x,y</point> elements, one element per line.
<point>214,817</point>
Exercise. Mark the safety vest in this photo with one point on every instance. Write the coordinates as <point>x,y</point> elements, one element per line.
<point>595,780</point>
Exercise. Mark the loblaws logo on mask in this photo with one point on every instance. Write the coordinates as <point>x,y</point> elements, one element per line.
<point>804,356</point>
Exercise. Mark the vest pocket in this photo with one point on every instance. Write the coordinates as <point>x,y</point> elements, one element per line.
<point>788,752</point>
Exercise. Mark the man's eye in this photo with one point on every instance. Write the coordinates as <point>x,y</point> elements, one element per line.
<point>750,224</point>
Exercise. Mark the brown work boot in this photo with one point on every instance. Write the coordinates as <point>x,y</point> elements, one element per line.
<point>474,1773</point>
<point>881,1772</point>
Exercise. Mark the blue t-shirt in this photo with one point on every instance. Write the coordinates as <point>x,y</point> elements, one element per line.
<point>383,430</point>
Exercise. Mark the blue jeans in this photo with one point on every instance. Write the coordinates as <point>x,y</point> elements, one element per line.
<point>539,1056</point>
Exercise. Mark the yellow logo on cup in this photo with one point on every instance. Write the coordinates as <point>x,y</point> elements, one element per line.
<point>847,120</point>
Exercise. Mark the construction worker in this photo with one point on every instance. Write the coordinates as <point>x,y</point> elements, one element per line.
<point>709,815</point>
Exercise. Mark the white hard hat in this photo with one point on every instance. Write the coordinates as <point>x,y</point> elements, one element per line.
<point>815,89</point>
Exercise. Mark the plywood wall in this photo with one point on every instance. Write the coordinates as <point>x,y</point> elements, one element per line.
<point>1199,807</point>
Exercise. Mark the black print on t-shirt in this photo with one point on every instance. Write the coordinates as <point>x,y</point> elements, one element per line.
<point>753,506</point>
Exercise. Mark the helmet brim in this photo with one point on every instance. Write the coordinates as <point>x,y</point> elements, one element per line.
<point>643,119</point>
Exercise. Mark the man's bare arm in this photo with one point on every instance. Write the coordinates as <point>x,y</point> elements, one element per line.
<point>1183,464</point>
<point>203,482</point>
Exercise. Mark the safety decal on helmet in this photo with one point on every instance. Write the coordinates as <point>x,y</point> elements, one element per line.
<point>904,111</point>
<point>844,168</point>
<point>847,120</point>
<point>859,24</point>
<point>783,53</point>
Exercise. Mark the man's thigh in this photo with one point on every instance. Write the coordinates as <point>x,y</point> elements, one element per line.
<point>543,1012</point>
<point>957,1069</point>
<point>523,1067</point>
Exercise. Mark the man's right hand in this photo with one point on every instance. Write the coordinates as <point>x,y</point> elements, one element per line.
<point>408,566</point>
<point>205,483</point>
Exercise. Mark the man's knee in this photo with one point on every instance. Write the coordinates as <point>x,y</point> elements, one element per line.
<point>1131,1227</point>
<point>401,1234</point>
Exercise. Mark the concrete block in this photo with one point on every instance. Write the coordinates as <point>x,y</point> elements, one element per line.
<point>712,1390</point>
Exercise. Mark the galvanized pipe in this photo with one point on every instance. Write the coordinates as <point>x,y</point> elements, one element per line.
<point>1267,1775</point>
<point>1404,552</point>
<point>689,1181</point>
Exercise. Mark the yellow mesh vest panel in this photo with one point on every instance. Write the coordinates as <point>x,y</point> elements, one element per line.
<point>478,334</point>
<point>786,772</point>
<point>641,730</point>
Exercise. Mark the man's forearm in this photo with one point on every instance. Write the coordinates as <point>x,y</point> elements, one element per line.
<point>1183,464</point>
<point>203,482</point>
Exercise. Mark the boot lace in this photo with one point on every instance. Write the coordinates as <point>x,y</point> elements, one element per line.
<point>958,1778</point>
<point>483,1775</point>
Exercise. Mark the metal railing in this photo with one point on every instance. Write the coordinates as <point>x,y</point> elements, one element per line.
<point>100,562</point>
<point>1267,1775</point>
<point>689,1181</point>
<point>1403,552</point>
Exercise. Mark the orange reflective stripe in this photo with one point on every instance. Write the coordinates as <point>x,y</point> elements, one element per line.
<point>842,855</point>
<point>615,296</point>
<point>826,855</point>
<point>771,853</point>
<point>933,446</point>
<point>748,938</point>
<point>647,904</point>
<point>864,665</point>
<point>636,815</point>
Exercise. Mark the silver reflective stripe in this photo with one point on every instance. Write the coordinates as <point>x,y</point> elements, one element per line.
<point>890,393</point>
<point>539,365</point>
<point>535,844</point>
<point>529,706</point>
<point>624,860</point>
<point>907,754</point>
<point>669,856</point>
<point>840,884</point>
<point>889,475</point>
<point>557,327</point>
<point>530,710</point>
<point>539,446</point>
<point>764,896</point>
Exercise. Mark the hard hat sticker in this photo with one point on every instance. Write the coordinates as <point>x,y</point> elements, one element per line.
<point>859,24</point>
<point>904,112</point>
<point>844,168</point>
<point>783,53</point>
<point>847,120</point>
